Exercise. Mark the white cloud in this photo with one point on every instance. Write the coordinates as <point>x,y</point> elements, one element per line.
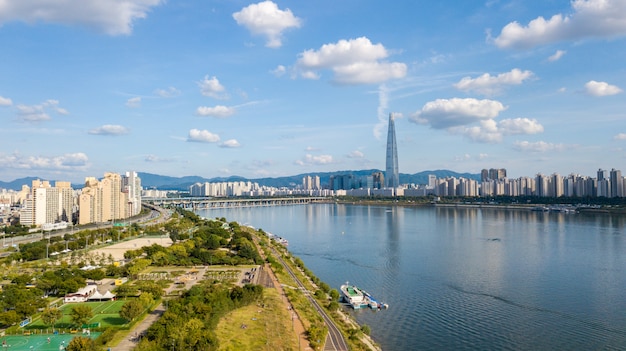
<point>594,88</point>
<point>491,131</point>
<point>133,102</point>
<point>110,17</point>
<point>620,136</point>
<point>354,61</point>
<point>211,87</point>
<point>446,113</point>
<point>109,129</point>
<point>230,143</point>
<point>590,19</point>
<point>5,101</point>
<point>167,93</point>
<point>34,113</point>
<point>311,148</point>
<point>356,154</point>
<point>519,126</point>
<point>38,113</point>
<point>218,111</point>
<point>54,104</point>
<point>557,55</point>
<point>265,18</point>
<point>539,146</point>
<point>202,136</point>
<point>315,160</point>
<point>73,161</point>
<point>487,84</point>
<point>280,70</point>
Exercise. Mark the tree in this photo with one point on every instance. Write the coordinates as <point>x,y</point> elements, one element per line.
<point>131,310</point>
<point>81,343</point>
<point>81,314</point>
<point>9,318</point>
<point>50,315</point>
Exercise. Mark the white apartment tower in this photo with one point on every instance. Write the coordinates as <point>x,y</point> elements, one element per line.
<point>132,186</point>
<point>47,204</point>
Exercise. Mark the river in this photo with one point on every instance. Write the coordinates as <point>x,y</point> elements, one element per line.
<point>465,279</point>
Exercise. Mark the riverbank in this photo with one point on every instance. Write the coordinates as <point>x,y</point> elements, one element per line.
<point>302,293</point>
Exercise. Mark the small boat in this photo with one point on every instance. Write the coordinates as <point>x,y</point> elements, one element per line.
<point>359,298</point>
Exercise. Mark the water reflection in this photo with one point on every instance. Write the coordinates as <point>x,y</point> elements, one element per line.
<point>467,278</point>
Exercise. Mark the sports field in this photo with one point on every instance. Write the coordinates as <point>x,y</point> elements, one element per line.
<point>39,342</point>
<point>107,313</point>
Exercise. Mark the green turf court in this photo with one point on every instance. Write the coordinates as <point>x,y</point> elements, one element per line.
<point>39,342</point>
<point>106,313</point>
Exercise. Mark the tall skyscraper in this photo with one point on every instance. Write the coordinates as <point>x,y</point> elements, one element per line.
<point>392,177</point>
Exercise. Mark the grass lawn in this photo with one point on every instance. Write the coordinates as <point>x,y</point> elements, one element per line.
<point>107,313</point>
<point>258,328</point>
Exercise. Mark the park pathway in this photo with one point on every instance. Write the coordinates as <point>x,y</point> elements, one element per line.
<point>139,329</point>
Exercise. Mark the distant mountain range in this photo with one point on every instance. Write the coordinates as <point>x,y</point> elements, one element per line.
<point>149,180</point>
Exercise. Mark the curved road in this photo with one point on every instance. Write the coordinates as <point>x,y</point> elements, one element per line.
<point>334,339</point>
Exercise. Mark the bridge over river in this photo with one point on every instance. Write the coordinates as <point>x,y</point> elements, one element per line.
<point>197,203</point>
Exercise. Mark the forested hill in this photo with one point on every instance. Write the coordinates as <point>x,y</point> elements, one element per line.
<point>149,180</point>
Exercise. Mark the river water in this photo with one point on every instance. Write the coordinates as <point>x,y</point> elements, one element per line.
<point>465,279</point>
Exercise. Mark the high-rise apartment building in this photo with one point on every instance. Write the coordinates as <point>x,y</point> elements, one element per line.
<point>378,179</point>
<point>617,183</point>
<point>132,186</point>
<point>48,204</point>
<point>311,183</point>
<point>103,201</point>
<point>392,176</point>
<point>492,174</point>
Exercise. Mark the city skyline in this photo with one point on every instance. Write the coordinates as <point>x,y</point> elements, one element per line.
<point>275,88</point>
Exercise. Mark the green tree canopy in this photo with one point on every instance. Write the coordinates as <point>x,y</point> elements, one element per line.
<point>81,314</point>
<point>131,310</point>
<point>81,343</point>
<point>50,315</point>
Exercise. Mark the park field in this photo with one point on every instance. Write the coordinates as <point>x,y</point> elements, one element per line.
<point>107,313</point>
<point>267,326</point>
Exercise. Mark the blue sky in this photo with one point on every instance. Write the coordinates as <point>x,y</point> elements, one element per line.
<point>269,89</point>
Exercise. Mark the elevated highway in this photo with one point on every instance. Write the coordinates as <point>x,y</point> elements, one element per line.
<point>198,203</point>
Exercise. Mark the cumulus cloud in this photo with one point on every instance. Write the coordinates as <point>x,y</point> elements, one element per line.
<point>354,61</point>
<point>71,161</point>
<point>202,136</point>
<point>5,101</point>
<point>594,88</point>
<point>538,146</point>
<point>491,131</point>
<point>133,102</point>
<point>265,18</point>
<point>109,129</point>
<point>590,19</point>
<point>620,136</point>
<point>218,111</point>
<point>211,87</point>
<point>230,143</point>
<point>315,160</point>
<point>557,55</point>
<point>109,17</point>
<point>356,154</point>
<point>487,84</point>
<point>446,113</point>
<point>167,93</point>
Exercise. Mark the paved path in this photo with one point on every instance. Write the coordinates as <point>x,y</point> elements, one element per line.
<point>133,336</point>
